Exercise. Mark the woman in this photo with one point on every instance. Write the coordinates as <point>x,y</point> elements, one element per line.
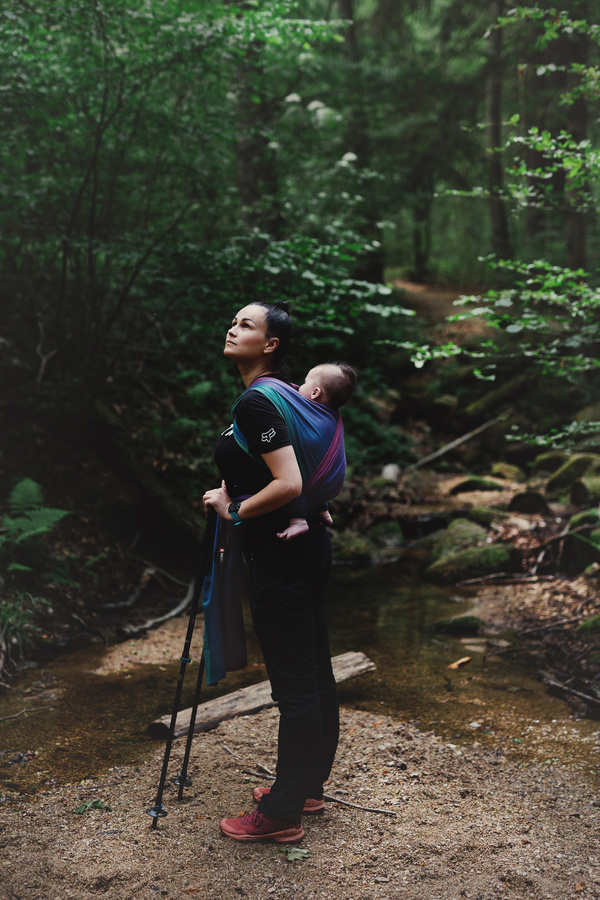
<point>288,580</point>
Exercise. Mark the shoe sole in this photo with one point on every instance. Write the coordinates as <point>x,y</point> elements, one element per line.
<point>280,837</point>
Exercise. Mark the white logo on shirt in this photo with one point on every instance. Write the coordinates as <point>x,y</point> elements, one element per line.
<point>267,436</point>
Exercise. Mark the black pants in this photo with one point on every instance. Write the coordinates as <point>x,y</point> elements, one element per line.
<point>288,610</point>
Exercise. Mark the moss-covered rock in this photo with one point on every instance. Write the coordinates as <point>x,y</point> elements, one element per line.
<point>575,467</point>
<point>351,547</point>
<point>589,517</point>
<point>580,551</point>
<point>386,534</point>
<point>589,413</point>
<point>485,515</point>
<point>475,562</point>
<point>460,534</point>
<point>461,625</point>
<point>549,462</point>
<point>507,471</point>
<point>589,626</point>
<point>586,491</point>
<point>475,483</point>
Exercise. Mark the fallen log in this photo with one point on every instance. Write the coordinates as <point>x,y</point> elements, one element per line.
<point>250,699</point>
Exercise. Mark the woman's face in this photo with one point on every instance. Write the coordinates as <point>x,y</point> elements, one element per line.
<point>247,338</point>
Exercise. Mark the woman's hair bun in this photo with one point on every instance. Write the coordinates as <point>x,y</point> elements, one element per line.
<point>283,305</point>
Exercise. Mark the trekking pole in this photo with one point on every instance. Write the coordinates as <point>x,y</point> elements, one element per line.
<point>183,780</point>
<point>157,811</point>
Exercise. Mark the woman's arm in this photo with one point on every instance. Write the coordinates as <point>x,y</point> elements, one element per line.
<point>286,484</point>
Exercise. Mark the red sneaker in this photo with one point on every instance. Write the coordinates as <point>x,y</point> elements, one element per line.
<point>310,806</point>
<point>256,827</point>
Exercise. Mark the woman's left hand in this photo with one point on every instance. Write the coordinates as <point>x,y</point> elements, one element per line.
<point>219,499</point>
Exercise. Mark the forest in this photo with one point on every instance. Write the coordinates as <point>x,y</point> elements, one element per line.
<point>165,162</point>
<point>420,181</point>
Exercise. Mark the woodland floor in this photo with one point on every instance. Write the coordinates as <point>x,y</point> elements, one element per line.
<point>443,821</point>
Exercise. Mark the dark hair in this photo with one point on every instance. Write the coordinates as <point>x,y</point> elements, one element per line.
<point>279,325</point>
<point>338,388</point>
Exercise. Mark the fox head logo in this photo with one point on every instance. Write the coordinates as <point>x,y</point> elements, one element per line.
<point>267,436</point>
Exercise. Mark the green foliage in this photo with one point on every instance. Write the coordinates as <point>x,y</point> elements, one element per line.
<point>17,619</point>
<point>92,804</point>
<point>29,519</point>
<point>565,438</point>
<point>295,853</point>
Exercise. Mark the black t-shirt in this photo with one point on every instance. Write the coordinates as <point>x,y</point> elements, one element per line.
<point>265,430</point>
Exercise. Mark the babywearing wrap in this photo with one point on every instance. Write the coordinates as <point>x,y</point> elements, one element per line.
<point>317,436</point>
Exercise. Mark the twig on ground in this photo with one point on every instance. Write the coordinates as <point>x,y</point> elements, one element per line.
<point>549,625</point>
<point>264,771</point>
<point>155,568</point>
<point>569,690</point>
<point>16,715</point>
<point>508,578</point>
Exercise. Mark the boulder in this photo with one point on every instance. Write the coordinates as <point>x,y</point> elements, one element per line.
<point>475,562</point>
<point>485,515</point>
<point>589,626</point>
<point>348,546</point>
<point>575,467</point>
<point>475,483</point>
<point>580,551</point>
<point>461,625</point>
<point>549,462</point>
<point>589,413</point>
<point>391,472</point>
<point>529,503</point>
<point>507,471</point>
<point>586,491</point>
<point>460,534</point>
<point>589,517</point>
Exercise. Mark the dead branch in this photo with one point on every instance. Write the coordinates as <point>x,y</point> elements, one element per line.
<point>16,715</point>
<point>506,577</point>
<point>44,357</point>
<point>135,596</point>
<point>456,443</point>
<point>154,568</point>
<point>329,797</point>
<point>549,625</point>
<point>569,690</point>
<point>130,630</point>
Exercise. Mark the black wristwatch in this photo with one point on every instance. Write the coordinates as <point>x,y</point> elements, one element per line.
<point>233,510</point>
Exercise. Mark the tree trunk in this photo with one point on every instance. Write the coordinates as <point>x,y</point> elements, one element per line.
<point>577,122</point>
<point>499,221</point>
<point>372,266</point>
<point>257,175</point>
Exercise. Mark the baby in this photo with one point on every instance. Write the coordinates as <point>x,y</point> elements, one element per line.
<point>331,384</point>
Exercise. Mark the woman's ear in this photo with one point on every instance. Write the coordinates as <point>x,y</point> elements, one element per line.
<point>272,345</point>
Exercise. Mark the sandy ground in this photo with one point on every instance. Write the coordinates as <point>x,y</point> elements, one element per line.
<point>440,821</point>
<point>453,823</point>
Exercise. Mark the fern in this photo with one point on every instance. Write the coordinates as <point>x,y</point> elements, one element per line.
<point>34,522</point>
<point>29,518</point>
<point>25,495</point>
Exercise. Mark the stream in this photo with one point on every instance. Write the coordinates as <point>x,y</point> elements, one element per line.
<point>80,723</point>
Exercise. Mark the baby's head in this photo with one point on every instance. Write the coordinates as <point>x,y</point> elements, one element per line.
<point>330,383</point>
